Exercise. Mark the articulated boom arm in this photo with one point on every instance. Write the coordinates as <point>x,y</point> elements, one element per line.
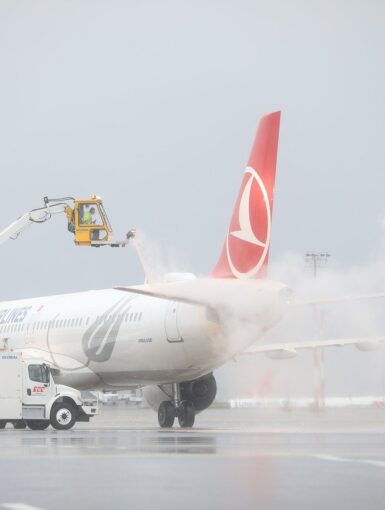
<point>87,220</point>
<point>40,215</point>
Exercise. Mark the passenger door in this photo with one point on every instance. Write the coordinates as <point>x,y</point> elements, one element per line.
<point>171,323</point>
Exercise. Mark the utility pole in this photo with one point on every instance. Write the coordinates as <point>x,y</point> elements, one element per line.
<point>316,261</point>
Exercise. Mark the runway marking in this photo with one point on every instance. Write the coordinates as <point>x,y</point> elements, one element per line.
<point>332,458</point>
<point>20,506</point>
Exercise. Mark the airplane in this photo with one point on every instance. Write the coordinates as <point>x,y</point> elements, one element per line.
<point>168,337</point>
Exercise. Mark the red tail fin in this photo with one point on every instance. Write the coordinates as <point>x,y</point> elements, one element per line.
<point>246,250</point>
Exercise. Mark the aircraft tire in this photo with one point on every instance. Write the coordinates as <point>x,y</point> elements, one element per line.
<point>63,416</point>
<point>38,424</point>
<point>3,423</point>
<point>186,414</point>
<point>166,414</point>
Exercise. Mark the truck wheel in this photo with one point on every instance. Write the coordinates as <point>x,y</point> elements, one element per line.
<point>63,416</point>
<point>2,424</point>
<point>19,424</point>
<point>38,424</point>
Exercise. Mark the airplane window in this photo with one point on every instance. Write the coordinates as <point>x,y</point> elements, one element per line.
<point>72,323</point>
<point>131,316</point>
<point>80,322</point>
<point>140,316</point>
<point>135,316</point>
<point>45,325</point>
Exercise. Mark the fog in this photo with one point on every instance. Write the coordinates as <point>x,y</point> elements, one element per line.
<point>154,106</point>
<point>348,371</point>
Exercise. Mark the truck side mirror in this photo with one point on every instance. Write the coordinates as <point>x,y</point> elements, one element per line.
<point>47,374</point>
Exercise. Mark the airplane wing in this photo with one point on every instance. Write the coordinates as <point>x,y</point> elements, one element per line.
<point>215,293</point>
<point>290,349</point>
<point>236,298</point>
<point>168,294</point>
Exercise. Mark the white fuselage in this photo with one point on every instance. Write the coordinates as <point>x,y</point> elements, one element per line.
<point>107,338</point>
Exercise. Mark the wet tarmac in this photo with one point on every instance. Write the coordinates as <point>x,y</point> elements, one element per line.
<point>233,459</point>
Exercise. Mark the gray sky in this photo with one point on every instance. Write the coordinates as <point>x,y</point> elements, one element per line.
<point>154,106</point>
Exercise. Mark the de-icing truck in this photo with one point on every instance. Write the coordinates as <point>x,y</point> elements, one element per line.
<point>30,397</point>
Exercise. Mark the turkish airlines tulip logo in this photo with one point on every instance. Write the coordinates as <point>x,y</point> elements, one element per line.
<point>247,243</point>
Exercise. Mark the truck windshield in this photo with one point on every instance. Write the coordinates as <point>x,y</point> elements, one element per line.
<point>39,373</point>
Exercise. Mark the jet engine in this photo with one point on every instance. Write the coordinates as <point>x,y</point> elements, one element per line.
<point>201,392</point>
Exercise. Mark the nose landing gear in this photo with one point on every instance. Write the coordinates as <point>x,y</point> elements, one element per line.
<point>182,409</point>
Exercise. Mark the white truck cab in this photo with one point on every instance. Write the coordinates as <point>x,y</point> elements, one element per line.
<point>30,397</point>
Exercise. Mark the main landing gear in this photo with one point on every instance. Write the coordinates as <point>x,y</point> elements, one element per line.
<point>176,408</point>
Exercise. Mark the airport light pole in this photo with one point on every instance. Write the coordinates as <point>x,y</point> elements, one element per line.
<point>316,261</point>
